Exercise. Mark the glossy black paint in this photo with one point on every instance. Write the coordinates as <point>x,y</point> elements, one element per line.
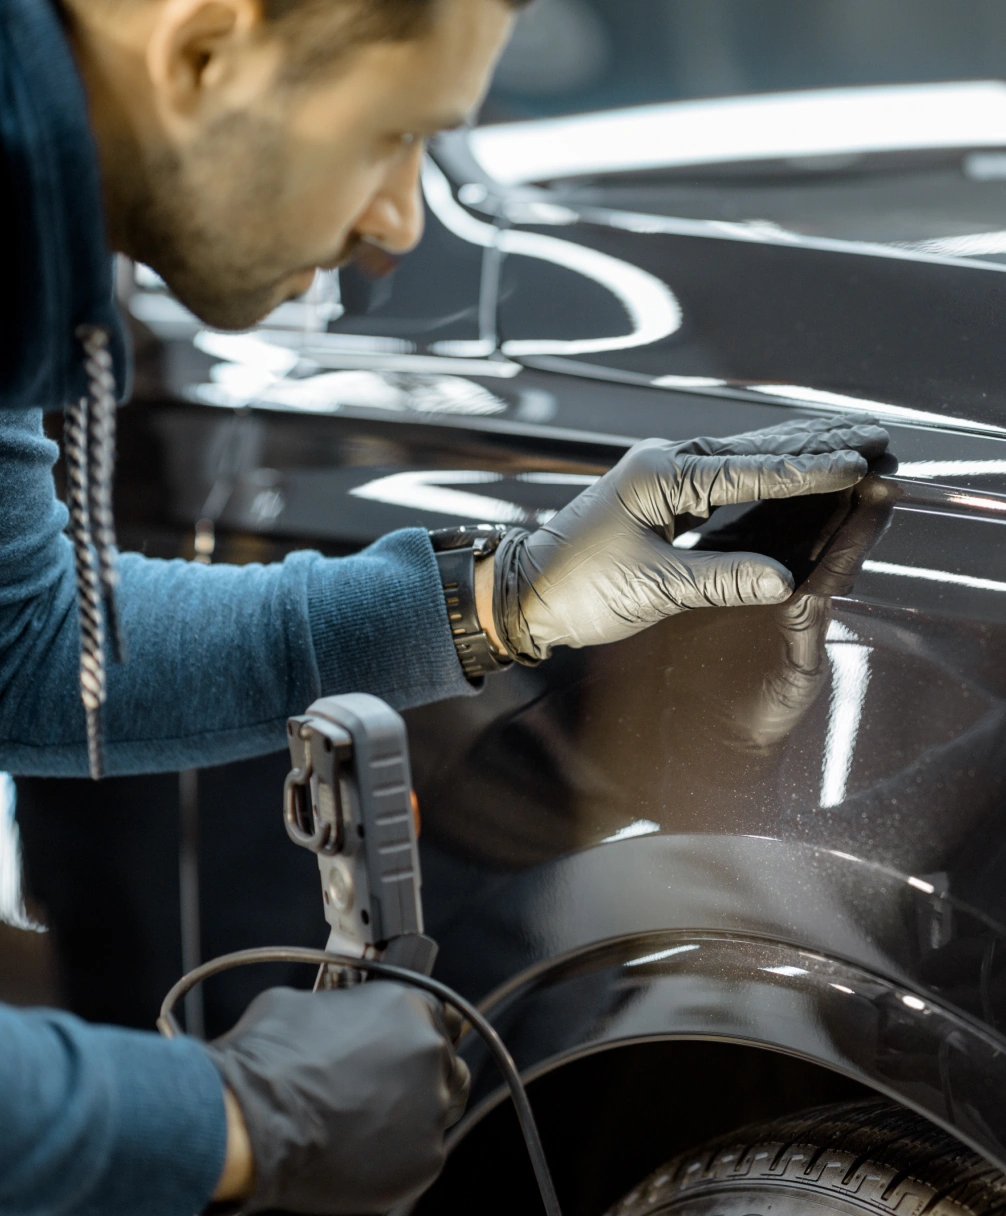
<point>763,993</point>
<point>875,325</point>
<point>823,794</point>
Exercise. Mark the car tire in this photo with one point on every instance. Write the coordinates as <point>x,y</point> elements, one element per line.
<point>859,1157</point>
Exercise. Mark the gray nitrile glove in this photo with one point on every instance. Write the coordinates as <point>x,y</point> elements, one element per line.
<point>346,1095</point>
<point>603,568</point>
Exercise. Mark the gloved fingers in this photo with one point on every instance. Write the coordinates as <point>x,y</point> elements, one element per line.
<point>458,1086</point>
<point>869,440</point>
<point>442,1015</point>
<point>728,580</point>
<point>694,485</point>
<point>454,1023</point>
<point>800,436</point>
<point>449,1023</point>
<point>752,442</point>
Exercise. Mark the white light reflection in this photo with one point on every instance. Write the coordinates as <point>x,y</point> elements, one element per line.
<point>652,309</point>
<point>980,501</point>
<point>822,122</point>
<point>558,479</point>
<point>642,827</point>
<point>914,1002</point>
<point>687,540</point>
<point>924,469</point>
<point>765,232</point>
<point>317,345</point>
<point>434,491</point>
<point>790,972</point>
<point>975,245</point>
<point>850,679</point>
<point>857,405</point>
<point>12,910</point>
<point>660,956</point>
<point>842,988</point>
<point>687,382</point>
<point>235,384</point>
<point>921,885</point>
<point>278,353</point>
<point>934,576</point>
<point>247,350</point>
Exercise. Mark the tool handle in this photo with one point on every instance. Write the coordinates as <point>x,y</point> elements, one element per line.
<point>412,952</point>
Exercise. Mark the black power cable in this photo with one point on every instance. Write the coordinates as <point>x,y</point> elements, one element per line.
<point>169,1027</point>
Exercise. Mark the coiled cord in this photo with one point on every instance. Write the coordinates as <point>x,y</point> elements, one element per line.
<point>169,1027</point>
<point>89,443</point>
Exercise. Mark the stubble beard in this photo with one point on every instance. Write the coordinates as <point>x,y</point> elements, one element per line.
<point>204,227</point>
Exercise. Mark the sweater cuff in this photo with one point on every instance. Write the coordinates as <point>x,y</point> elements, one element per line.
<point>379,623</point>
<point>170,1137</point>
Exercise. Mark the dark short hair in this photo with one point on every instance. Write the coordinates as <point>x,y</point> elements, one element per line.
<point>396,18</point>
<point>349,23</point>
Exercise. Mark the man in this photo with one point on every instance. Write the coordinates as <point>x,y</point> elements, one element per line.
<point>235,146</point>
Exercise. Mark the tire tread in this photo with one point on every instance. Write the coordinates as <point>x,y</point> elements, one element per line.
<point>880,1155</point>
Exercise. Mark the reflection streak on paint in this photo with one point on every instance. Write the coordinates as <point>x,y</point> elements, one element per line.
<point>686,382</point>
<point>641,827</point>
<point>837,632</point>
<point>924,469</point>
<point>881,409</point>
<point>960,499</point>
<point>660,955</point>
<point>12,910</point>
<point>425,490</point>
<point>972,245</point>
<point>934,576</point>
<point>850,665</point>
<point>839,121</point>
<point>651,306</point>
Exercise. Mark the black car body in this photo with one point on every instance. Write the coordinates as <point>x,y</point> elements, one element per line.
<point>742,858</point>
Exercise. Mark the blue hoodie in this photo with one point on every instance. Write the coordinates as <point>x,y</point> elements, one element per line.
<point>95,1119</point>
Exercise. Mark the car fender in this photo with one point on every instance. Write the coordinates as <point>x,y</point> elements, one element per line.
<point>748,940</point>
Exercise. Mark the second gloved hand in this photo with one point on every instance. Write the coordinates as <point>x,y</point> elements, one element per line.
<point>604,567</point>
<point>345,1094</point>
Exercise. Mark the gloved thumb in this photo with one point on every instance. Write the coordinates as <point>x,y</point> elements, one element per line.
<point>731,580</point>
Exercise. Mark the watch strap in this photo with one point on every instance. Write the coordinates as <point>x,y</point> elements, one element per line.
<point>457,550</point>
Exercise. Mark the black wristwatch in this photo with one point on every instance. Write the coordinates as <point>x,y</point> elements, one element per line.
<point>457,550</point>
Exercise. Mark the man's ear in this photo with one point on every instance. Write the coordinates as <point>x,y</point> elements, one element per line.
<point>206,56</point>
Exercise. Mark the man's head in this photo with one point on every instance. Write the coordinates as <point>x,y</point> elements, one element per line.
<point>245,143</point>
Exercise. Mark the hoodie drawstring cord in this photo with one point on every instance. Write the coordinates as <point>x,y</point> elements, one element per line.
<point>89,440</point>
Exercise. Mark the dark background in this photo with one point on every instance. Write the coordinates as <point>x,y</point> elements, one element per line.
<point>571,55</point>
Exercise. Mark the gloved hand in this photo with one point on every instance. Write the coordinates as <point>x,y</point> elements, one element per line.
<point>346,1095</point>
<point>603,568</point>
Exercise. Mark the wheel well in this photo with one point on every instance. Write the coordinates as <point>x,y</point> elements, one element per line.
<point>609,1119</point>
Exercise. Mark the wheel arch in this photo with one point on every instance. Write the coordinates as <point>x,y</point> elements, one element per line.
<point>810,1027</point>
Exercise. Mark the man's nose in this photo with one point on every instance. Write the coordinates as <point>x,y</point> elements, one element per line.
<point>394,218</point>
